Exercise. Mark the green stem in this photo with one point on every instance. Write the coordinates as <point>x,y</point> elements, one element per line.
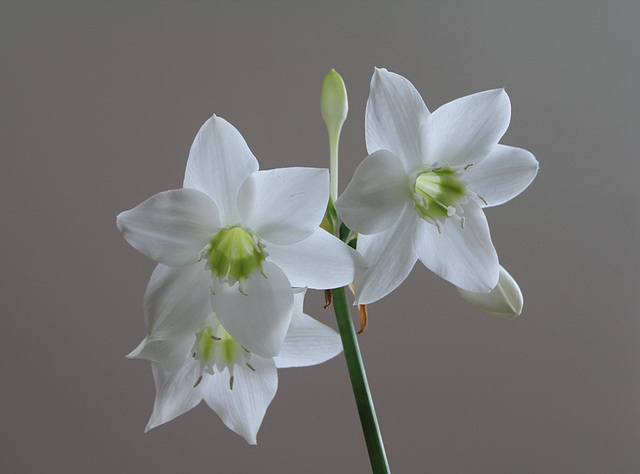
<point>368,420</point>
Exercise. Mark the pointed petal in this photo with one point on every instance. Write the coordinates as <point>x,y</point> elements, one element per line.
<point>390,257</point>
<point>503,174</point>
<point>177,300</point>
<point>393,117</point>
<point>174,393</point>
<point>218,164</point>
<point>504,301</point>
<point>242,408</point>
<point>376,194</point>
<point>465,257</point>
<point>170,354</point>
<point>171,227</point>
<point>321,261</point>
<point>260,319</point>
<point>308,342</point>
<point>464,130</point>
<point>284,205</point>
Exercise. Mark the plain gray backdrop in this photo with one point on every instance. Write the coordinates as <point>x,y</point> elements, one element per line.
<point>100,102</point>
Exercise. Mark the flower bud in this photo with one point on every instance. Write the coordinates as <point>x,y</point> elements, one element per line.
<point>504,301</point>
<point>334,105</point>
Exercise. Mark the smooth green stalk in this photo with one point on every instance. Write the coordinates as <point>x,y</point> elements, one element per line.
<point>368,419</point>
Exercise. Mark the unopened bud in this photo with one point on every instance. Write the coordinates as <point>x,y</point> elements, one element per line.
<point>504,301</point>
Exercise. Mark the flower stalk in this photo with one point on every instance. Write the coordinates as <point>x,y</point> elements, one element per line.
<point>358,376</point>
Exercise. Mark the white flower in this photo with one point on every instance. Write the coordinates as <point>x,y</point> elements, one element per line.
<point>257,231</point>
<point>420,192</point>
<point>194,358</point>
<point>504,301</point>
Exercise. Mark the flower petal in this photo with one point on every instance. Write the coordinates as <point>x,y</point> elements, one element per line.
<point>260,319</point>
<point>242,408</point>
<point>284,205</point>
<point>376,194</point>
<point>504,301</point>
<point>464,130</point>
<point>308,342</point>
<point>321,261</point>
<point>465,257</point>
<point>174,393</point>
<point>170,354</point>
<point>503,174</point>
<point>218,164</point>
<point>171,227</point>
<point>390,257</point>
<point>393,117</point>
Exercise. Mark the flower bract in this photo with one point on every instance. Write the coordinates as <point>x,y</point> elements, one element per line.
<point>420,192</point>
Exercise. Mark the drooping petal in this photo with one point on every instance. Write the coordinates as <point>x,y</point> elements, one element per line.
<point>463,256</point>
<point>321,261</point>
<point>308,342</point>
<point>219,162</point>
<point>393,117</point>
<point>376,194</point>
<point>503,174</point>
<point>390,257</point>
<point>177,300</point>
<point>169,353</point>
<point>260,319</point>
<point>171,227</point>
<point>242,408</point>
<point>284,205</point>
<point>504,301</point>
<point>464,130</point>
<point>175,394</point>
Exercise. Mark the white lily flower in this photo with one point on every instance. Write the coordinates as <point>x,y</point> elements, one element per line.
<point>257,231</point>
<point>194,358</point>
<point>504,301</point>
<point>420,192</point>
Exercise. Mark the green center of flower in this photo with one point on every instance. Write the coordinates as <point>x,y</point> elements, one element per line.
<point>216,350</point>
<point>438,194</point>
<point>234,253</point>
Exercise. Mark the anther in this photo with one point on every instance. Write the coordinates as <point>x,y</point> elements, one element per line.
<point>198,381</point>
<point>468,166</point>
<point>231,383</point>
<point>462,222</point>
<point>211,286</point>
<point>215,338</point>
<point>482,199</point>
<point>251,366</point>
<point>438,226</point>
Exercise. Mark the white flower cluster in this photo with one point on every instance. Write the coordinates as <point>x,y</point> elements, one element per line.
<point>237,247</point>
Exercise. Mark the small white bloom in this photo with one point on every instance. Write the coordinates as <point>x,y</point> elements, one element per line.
<point>194,358</point>
<point>257,231</point>
<point>420,192</point>
<point>504,301</point>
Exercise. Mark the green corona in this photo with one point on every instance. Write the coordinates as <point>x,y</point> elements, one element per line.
<point>234,254</point>
<point>437,193</point>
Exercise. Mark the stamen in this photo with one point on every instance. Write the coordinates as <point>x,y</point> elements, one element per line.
<point>216,338</point>
<point>212,286</point>
<point>251,366</point>
<point>438,226</point>
<point>198,381</point>
<point>241,290</point>
<point>462,221</point>
<point>231,383</point>
<point>482,199</point>
<point>468,166</point>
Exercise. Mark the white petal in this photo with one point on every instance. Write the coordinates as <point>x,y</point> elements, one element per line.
<point>503,174</point>
<point>376,194</point>
<point>465,257</point>
<point>177,300</point>
<point>242,408</point>
<point>218,164</point>
<point>321,261</point>
<point>175,394</point>
<point>284,205</point>
<point>308,342</point>
<point>260,319</point>
<point>170,354</point>
<point>464,130</point>
<point>171,227</point>
<point>504,301</point>
<point>390,257</point>
<point>393,117</point>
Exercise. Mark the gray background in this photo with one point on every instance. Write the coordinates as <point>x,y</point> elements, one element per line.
<point>99,104</point>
